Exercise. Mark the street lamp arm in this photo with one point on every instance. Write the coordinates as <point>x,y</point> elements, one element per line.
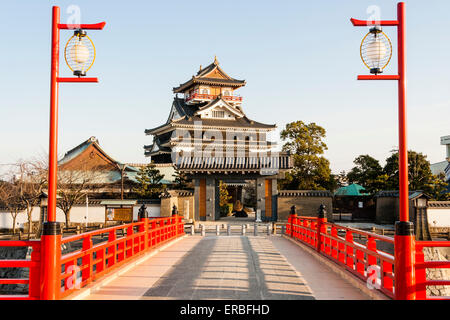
<point>379,77</point>
<point>76,79</point>
<point>366,23</point>
<point>92,26</point>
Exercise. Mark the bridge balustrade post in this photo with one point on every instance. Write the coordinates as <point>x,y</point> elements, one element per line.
<point>312,231</point>
<point>371,260</point>
<point>34,278</point>
<point>179,226</point>
<point>255,229</point>
<point>334,247</point>
<point>130,242</point>
<point>112,248</point>
<point>152,233</point>
<point>372,246</point>
<point>268,229</point>
<point>305,231</point>
<point>86,274</point>
<point>243,229</point>
<point>321,227</point>
<point>143,217</point>
<point>421,275</point>
<point>292,215</point>
<point>217,230</point>
<point>349,258</point>
<point>228,230</point>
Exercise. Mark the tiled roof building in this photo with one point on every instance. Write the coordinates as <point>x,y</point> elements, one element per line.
<point>209,137</point>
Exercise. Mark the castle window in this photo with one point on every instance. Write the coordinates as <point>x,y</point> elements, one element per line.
<point>205,91</point>
<point>226,93</point>
<point>218,114</point>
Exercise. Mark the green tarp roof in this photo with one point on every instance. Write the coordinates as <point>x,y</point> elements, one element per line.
<point>351,190</point>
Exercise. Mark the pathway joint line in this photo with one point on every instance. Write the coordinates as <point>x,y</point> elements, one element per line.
<point>96,285</point>
<point>344,274</point>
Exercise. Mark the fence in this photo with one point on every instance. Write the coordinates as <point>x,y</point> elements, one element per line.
<point>421,267</point>
<point>362,260</point>
<point>92,254</point>
<point>359,252</point>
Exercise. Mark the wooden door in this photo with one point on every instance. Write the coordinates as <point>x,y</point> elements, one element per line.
<point>268,196</point>
<point>202,199</point>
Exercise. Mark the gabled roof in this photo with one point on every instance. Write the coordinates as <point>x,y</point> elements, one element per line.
<point>395,194</point>
<point>188,117</point>
<point>213,75</point>
<point>182,108</point>
<point>78,150</point>
<point>107,169</point>
<point>242,122</point>
<point>222,102</point>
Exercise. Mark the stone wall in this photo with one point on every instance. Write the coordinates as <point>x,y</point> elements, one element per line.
<point>437,254</point>
<point>184,200</point>
<point>307,203</point>
<point>14,253</point>
<point>386,210</point>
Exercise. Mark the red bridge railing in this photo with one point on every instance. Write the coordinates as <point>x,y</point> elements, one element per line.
<point>33,265</point>
<point>421,267</point>
<point>340,244</point>
<point>365,255</point>
<point>94,254</point>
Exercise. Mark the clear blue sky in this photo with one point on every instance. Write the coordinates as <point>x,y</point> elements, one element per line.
<point>299,58</point>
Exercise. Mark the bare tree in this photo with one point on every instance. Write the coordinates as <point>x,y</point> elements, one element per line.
<point>9,198</point>
<point>30,183</point>
<point>73,185</point>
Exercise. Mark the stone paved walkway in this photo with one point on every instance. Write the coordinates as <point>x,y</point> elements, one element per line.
<point>230,267</point>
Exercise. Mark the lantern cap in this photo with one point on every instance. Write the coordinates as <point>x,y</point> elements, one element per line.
<point>80,33</point>
<point>376,29</point>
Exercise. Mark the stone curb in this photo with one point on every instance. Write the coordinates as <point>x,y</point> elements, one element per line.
<point>94,286</point>
<point>344,274</point>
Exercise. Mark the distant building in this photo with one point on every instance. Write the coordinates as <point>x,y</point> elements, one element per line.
<point>354,200</point>
<point>443,166</point>
<point>388,205</point>
<point>208,137</point>
<point>111,177</point>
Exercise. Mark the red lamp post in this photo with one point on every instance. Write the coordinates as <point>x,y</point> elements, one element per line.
<point>404,229</point>
<point>51,236</point>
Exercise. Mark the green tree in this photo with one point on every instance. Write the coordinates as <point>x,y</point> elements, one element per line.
<point>149,179</point>
<point>368,173</point>
<point>438,189</point>
<point>224,197</point>
<point>311,170</point>
<point>180,180</point>
<point>419,172</point>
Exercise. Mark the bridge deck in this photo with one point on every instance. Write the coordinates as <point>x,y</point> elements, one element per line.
<point>230,267</point>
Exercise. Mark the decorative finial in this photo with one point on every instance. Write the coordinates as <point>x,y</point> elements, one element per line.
<point>215,60</point>
<point>200,68</point>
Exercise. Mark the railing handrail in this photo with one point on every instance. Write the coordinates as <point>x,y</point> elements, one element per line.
<point>432,244</point>
<point>19,243</point>
<point>355,257</point>
<point>96,259</point>
<point>98,232</point>
<point>364,233</point>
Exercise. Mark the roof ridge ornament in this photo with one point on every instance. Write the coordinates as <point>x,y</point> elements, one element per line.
<point>215,60</point>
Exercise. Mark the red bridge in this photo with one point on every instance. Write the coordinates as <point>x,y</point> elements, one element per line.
<point>363,257</point>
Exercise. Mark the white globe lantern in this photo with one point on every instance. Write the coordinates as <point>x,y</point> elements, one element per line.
<point>79,53</point>
<point>376,50</point>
